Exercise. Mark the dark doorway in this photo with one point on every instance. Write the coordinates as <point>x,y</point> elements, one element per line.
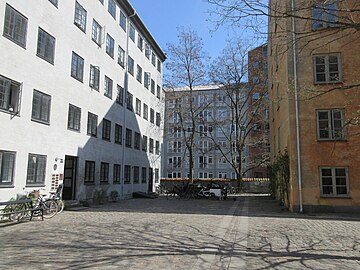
<point>151,180</point>
<point>70,172</point>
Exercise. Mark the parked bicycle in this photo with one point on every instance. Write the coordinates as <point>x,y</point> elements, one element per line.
<point>57,196</point>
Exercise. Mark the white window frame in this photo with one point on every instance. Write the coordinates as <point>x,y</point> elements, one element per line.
<point>80,16</point>
<point>77,67</point>
<point>15,26</point>
<point>334,177</point>
<point>94,78</point>
<point>324,68</point>
<point>332,124</point>
<point>41,105</point>
<point>7,167</point>
<point>45,46</point>
<point>110,45</point>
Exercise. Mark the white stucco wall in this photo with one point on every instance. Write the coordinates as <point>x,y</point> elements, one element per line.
<point>23,136</point>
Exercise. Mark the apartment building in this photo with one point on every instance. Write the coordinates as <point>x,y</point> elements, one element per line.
<point>315,97</point>
<point>258,141</point>
<point>213,131</point>
<point>80,99</point>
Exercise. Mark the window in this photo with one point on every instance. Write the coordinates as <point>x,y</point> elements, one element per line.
<point>80,16</point>
<point>324,15</point>
<point>159,65</point>
<point>104,172</point>
<point>15,26</point>
<point>77,67</point>
<point>108,87</point>
<point>139,74</point>
<point>10,93</point>
<point>151,145</point>
<point>118,134</point>
<point>130,65</point>
<point>110,45</point>
<point>122,22</point>
<point>94,81</point>
<point>92,124</point>
<point>147,79</point>
<point>129,101</point>
<point>330,124</point>
<point>121,56</point>
<point>140,43</point>
<point>41,107</point>
<point>222,175</point>
<point>120,95</point>
<point>96,33</point>
<point>45,46</point>
<point>157,176</point>
<point>153,58</point>
<point>158,91</point>
<point>137,140</point>
<point>54,2</point>
<point>136,174</point>
<point>74,116</point>
<point>144,143</point>
<point>116,173</point>
<point>89,171</point>
<point>152,115</point>
<point>143,174</point>
<point>334,181</point>
<point>36,169</point>
<point>106,130</point>
<point>138,107</point>
<point>145,111</point>
<point>327,68</point>
<point>158,119</point>
<point>128,138</point>
<point>147,51</point>
<point>127,174</point>
<point>112,8</point>
<point>157,147</point>
<point>7,165</point>
<point>132,33</point>
<point>152,86</point>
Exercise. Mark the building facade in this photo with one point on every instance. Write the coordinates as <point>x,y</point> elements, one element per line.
<point>212,128</point>
<point>314,92</point>
<point>258,141</point>
<point>80,99</point>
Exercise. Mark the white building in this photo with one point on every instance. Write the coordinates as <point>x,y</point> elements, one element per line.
<point>80,98</point>
<point>213,135</point>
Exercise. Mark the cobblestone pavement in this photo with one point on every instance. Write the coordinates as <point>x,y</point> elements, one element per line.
<point>249,233</point>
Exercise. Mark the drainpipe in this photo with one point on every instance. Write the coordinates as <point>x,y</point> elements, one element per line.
<point>296,107</point>
<point>126,87</point>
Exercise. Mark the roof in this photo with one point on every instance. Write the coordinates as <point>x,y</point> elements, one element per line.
<point>138,23</point>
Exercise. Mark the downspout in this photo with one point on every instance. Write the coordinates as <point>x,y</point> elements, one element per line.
<point>296,106</point>
<point>126,87</point>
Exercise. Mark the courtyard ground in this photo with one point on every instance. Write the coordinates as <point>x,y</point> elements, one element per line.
<point>252,232</point>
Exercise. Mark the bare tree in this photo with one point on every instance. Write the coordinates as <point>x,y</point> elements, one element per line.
<point>186,65</point>
<point>244,106</point>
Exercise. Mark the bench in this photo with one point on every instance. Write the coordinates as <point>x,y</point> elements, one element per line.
<point>16,210</point>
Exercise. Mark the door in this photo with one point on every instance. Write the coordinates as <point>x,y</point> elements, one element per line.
<point>151,179</point>
<point>70,169</point>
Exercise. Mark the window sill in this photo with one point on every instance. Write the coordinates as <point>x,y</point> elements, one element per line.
<point>104,183</point>
<point>35,185</point>
<point>116,183</point>
<point>127,183</point>
<point>89,183</point>
<point>331,140</point>
<point>41,122</point>
<point>335,196</point>
<point>15,41</point>
<point>75,130</point>
<point>46,60</point>
<point>78,79</point>
<point>331,82</point>
<point>7,186</point>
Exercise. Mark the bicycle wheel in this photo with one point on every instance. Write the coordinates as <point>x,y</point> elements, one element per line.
<point>170,195</point>
<point>50,208</point>
<point>19,213</point>
<point>60,205</point>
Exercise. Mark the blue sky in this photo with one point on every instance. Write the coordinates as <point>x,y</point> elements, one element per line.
<point>162,17</point>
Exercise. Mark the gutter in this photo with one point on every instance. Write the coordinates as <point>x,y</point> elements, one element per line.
<point>126,88</point>
<point>296,106</point>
